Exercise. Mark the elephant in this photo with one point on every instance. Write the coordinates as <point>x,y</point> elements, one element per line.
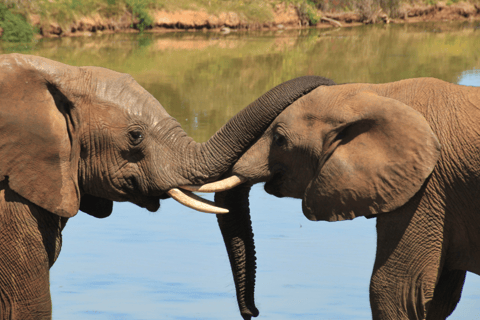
<point>79,138</point>
<point>406,153</point>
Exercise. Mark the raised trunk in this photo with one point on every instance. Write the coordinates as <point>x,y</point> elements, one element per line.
<point>207,161</point>
<point>236,227</point>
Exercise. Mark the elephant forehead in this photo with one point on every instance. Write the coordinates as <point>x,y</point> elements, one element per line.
<point>325,108</point>
<point>120,89</point>
<point>290,114</point>
<point>325,105</point>
<point>298,116</point>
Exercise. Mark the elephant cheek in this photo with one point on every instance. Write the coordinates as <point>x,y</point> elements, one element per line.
<point>309,205</point>
<point>253,164</point>
<point>313,212</point>
<point>307,211</point>
<point>315,206</point>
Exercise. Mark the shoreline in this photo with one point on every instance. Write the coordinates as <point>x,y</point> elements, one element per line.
<point>284,17</point>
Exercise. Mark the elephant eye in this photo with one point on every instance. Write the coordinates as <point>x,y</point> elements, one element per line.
<point>340,135</point>
<point>279,140</point>
<point>136,136</point>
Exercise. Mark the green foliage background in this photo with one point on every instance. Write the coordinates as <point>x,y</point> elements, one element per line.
<point>15,27</point>
<point>139,9</point>
<point>14,14</point>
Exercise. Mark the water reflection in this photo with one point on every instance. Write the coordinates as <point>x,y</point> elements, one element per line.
<point>470,78</point>
<point>172,264</point>
<point>203,79</point>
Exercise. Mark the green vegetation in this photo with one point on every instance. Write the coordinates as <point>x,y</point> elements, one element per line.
<point>139,9</point>
<point>15,27</point>
<point>64,12</point>
<point>307,10</point>
<point>15,15</point>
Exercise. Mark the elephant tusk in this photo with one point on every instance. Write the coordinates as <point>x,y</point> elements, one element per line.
<point>217,186</point>
<point>195,202</point>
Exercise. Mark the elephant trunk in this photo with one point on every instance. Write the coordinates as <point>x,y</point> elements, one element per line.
<point>208,161</point>
<point>236,228</point>
<point>199,163</point>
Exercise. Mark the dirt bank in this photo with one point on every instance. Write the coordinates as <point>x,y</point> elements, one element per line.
<point>283,17</point>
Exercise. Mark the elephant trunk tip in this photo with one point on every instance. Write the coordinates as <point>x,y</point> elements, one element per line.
<point>248,312</point>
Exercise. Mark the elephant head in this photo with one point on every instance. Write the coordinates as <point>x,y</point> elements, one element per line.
<point>344,153</point>
<point>345,150</point>
<point>82,137</point>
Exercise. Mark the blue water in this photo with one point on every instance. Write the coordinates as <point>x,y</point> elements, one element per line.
<point>173,265</point>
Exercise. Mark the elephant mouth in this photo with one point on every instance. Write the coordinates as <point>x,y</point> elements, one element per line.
<point>138,196</point>
<point>152,204</point>
<point>185,196</point>
<point>274,185</point>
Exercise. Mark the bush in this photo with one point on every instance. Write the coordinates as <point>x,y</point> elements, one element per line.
<point>139,10</point>
<point>307,11</point>
<point>15,27</point>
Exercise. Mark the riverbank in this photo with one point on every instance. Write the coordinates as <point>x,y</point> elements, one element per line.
<point>145,15</point>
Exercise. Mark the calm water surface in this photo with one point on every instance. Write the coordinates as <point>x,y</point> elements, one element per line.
<point>172,264</point>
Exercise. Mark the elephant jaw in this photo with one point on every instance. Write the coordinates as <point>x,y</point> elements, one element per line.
<point>152,204</point>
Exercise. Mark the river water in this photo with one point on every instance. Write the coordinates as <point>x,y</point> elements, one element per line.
<point>172,264</point>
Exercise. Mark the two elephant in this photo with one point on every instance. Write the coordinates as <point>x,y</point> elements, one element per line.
<point>406,153</point>
<point>79,138</point>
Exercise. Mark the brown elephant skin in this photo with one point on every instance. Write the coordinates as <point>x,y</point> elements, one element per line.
<point>406,153</point>
<point>79,138</point>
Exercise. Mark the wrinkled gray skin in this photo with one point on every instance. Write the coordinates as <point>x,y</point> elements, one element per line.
<point>407,153</point>
<point>82,137</point>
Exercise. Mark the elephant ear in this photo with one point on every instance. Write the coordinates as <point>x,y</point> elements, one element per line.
<point>383,152</point>
<point>38,153</point>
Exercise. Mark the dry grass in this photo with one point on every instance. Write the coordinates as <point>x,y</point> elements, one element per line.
<point>65,12</point>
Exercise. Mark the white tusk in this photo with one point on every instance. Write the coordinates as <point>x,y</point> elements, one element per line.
<point>217,186</point>
<point>195,202</point>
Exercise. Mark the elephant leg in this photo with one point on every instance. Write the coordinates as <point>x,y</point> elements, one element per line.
<point>29,244</point>
<point>447,294</point>
<point>407,263</point>
<point>401,294</point>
